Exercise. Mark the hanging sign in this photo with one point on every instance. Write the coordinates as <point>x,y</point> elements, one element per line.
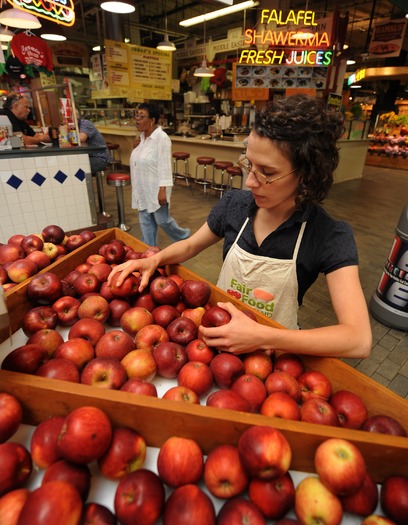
<point>387,39</point>
<point>60,11</point>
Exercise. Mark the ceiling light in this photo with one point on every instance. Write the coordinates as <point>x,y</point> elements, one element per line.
<point>350,61</point>
<point>4,47</point>
<point>303,34</point>
<point>204,70</point>
<point>217,14</point>
<point>52,31</point>
<point>17,18</point>
<point>121,7</point>
<point>355,86</point>
<point>5,34</point>
<point>166,45</point>
<point>96,48</point>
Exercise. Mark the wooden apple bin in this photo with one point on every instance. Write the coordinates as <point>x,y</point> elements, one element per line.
<point>157,419</point>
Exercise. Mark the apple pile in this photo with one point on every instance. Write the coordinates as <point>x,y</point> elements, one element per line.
<point>249,482</point>
<point>25,255</point>
<point>81,329</point>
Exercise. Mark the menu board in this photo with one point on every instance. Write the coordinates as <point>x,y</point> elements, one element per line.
<point>280,77</point>
<point>137,72</point>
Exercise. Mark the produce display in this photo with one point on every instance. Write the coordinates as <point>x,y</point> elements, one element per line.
<point>81,469</point>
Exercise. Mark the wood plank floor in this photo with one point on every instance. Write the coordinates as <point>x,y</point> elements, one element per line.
<point>372,205</point>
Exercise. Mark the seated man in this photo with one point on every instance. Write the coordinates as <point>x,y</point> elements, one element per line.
<point>90,136</point>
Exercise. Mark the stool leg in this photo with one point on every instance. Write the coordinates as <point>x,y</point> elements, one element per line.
<point>121,209</point>
<point>101,195</point>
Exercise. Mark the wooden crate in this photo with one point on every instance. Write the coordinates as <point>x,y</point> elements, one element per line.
<point>157,419</point>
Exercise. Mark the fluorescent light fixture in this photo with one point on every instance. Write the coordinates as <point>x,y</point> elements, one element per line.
<point>204,70</point>
<point>217,14</point>
<point>350,62</point>
<point>121,7</point>
<point>17,18</point>
<point>166,45</point>
<point>6,35</point>
<point>52,31</point>
<point>355,86</point>
<point>96,48</point>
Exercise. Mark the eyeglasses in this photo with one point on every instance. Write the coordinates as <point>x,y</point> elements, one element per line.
<point>247,168</point>
<point>138,117</point>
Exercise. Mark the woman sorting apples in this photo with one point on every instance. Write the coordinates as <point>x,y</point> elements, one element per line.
<point>278,239</point>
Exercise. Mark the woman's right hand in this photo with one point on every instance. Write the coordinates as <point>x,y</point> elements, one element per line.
<point>145,267</point>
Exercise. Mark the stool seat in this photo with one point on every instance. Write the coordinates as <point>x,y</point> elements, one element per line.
<point>222,165</point>
<point>221,186</point>
<point>181,156</point>
<point>234,171</point>
<point>112,147</point>
<point>119,180</point>
<point>205,160</point>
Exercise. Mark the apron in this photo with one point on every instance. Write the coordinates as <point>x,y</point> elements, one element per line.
<point>266,284</point>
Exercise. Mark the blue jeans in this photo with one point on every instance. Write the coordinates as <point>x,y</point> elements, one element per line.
<point>149,223</point>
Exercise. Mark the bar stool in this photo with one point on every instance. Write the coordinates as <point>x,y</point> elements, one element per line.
<point>119,180</point>
<point>222,185</point>
<point>178,156</point>
<point>234,171</point>
<point>101,196</point>
<point>204,162</point>
<point>114,151</point>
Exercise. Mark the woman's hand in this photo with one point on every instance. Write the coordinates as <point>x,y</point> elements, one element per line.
<point>145,268</point>
<point>162,196</point>
<point>236,337</point>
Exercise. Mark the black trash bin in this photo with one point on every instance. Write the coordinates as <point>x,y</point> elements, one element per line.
<point>389,303</point>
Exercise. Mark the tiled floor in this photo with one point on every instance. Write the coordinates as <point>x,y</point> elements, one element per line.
<point>372,205</point>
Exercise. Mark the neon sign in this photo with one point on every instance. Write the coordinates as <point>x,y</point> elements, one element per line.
<point>60,11</point>
<point>293,58</point>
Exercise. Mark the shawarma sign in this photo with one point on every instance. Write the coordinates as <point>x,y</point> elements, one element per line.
<point>59,11</point>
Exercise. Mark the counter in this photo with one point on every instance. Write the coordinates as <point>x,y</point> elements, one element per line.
<point>45,185</point>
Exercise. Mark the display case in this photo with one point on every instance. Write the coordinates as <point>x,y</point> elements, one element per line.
<point>110,117</point>
<point>388,151</point>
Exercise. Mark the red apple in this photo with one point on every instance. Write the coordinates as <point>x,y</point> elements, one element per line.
<point>197,376</point>
<point>177,278</point>
<point>74,241</point>
<point>363,501</point>
<point>394,498</point>
<point>20,270</point>
<point>180,461</point>
<point>104,372</point>
<point>44,441</point>
<point>83,268</point>
<point>195,314</point>
<point>140,387</point>
<point>86,283</point>
<point>16,466</point>
<point>125,454</point>
<point>383,424</point>
<point>53,233</point>
<point>264,452</point>
<point>4,276</point>
<point>226,368</point>
<point>215,316</point>
<point>145,300</point>
<point>150,336</point>
<point>100,270</point>
<point>139,498</point>
<point>164,290</point>
<point>115,252</point>
<point>252,389</point>
<point>97,514</point>
<point>44,288</point>
<point>39,258</point>
<point>182,331</point>
<point>278,381</point>
<point>31,243</point>
<point>16,239</point>
<point>54,502</point>
<point>340,466</point>
<point>197,350</point>
<point>96,258</point>
<point>88,235</point>
<point>164,314</point>
<point>280,404</point>
<point>39,318</point>
<point>289,363</point>
<point>11,415</point>
<point>10,253</point>
<point>25,359</point>
<point>170,358</point>
<point>62,250</point>
<point>224,474</point>
<point>318,411</point>
<point>89,329</point>
<point>139,363</point>
<point>59,368</point>
<point>72,276</point>
<point>314,503</point>
<point>273,497</point>
<point>129,286</point>
<point>350,409</point>
<point>314,384</point>
<point>76,349</point>
<point>77,475</point>
<point>375,519</point>
<point>195,293</point>
<point>183,394</point>
<point>117,307</point>
<point>94,307</point>
<point>189,504</point>
<point>85,435</point>
<point>114,343</point>
<point>66,308</point>
<point>134,319</point>
<point>240,511</point>
<point>228,399</point>
<point>258,364</point>
<point>11,505</point>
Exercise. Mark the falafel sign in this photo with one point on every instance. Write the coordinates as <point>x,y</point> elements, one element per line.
<point>61,11</point>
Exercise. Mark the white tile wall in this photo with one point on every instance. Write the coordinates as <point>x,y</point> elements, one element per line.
<point>29,208</point>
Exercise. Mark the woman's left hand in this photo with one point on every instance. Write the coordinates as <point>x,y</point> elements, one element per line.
<point>162,196</point>
<point>236,337</point>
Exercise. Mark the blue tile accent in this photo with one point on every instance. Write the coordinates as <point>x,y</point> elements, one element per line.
<point>60,177</point>
<point>38,179</point>
<point>14,182</point>
<point>80,174</point>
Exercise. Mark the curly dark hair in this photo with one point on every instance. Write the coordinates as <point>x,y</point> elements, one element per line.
<point>306,133</point>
